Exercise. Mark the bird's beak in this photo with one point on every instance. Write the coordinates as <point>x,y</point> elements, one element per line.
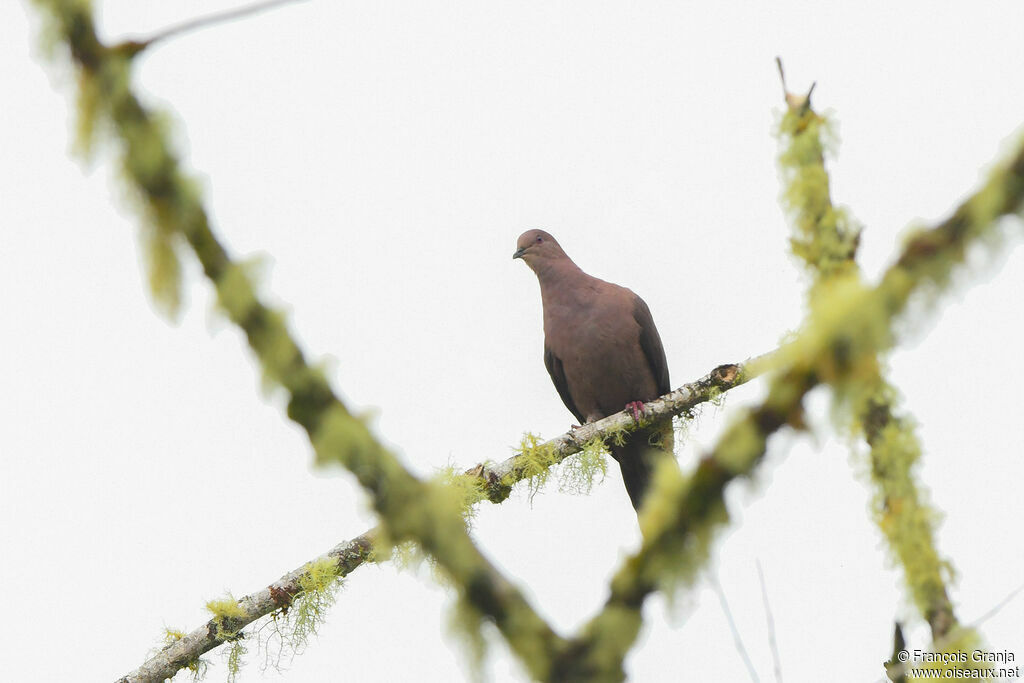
<point>519,252</point>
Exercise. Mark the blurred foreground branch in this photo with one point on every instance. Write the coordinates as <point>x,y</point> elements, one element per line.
<point>825,239</point>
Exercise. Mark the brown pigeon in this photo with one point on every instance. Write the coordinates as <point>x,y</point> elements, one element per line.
<point>602,351</point>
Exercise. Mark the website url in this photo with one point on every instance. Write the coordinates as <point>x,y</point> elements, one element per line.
<point>980,674</point>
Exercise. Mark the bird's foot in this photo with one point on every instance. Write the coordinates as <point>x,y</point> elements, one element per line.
<point>636,408</point>
<point>574,427</point>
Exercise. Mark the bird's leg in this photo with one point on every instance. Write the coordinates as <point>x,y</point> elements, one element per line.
<point>636,408</point>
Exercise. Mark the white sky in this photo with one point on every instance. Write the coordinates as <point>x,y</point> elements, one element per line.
<point>386,156</point>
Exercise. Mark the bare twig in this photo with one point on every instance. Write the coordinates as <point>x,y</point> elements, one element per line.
<point>782,76</point>
<point>736,637</point>
<point>998,608</point>
<point>199,23</point>
<point>770,621</point>
<point>801,102</point>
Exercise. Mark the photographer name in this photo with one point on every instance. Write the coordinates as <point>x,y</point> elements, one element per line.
<point>1002,657</point>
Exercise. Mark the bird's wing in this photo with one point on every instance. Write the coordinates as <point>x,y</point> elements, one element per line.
<point>650,342</point>
<point>554,366</point>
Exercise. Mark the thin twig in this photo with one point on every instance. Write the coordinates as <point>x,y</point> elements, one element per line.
<point>207,21</point>
<point>782,76</point>
<point>801,102</point>
<point>772,644</point>
<point>998,608</point>
<point>735,631</point>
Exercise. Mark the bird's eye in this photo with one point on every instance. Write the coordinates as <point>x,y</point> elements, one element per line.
<point>539,239</point>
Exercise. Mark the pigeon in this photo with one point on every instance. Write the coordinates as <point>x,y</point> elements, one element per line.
<point>603,353</point>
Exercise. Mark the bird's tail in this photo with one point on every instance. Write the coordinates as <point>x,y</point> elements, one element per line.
<point>638,457</point>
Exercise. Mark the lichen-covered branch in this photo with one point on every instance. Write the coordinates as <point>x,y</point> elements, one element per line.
<point>495,481</point>
<point>424,512</point>
<point>343,558</point>
<point>839,345</point>
<point>486,482</point>
<point>824,237</point>
<point>826,241</point>
<point>903,514</point>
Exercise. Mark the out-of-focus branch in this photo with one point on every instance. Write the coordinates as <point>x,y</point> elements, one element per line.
<point>838,344</point>
<point>826,239</point>
<point>409,509</point>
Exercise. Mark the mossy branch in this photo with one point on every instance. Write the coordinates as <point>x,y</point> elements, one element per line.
<point>902,512</point>
<point>344,558</point>
<point>826,241</point>
<point>495,481</point>
<point>409,508</point>
<point>839,344</point>
<point>824,237</point>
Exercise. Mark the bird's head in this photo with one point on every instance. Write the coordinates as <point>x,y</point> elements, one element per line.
<point>537,247</point>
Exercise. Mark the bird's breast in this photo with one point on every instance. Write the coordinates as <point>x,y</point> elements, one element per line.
<point>601,356</point>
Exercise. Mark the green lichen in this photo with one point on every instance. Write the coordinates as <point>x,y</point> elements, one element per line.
<point>293,625</point>
<point>536,457</point>
<point>465,490</point>
<point>617,434</point>
<point>716,397</point>
<point>172,635</point>
<point>226,607</point>
<point>198,667</point>
<point>905,517</point>
<point>235,659</point>
<point>224,610</point>
<point>579,472</point>
<point>320,576</point>
<point>319,583</point>
<point>824,238</point>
